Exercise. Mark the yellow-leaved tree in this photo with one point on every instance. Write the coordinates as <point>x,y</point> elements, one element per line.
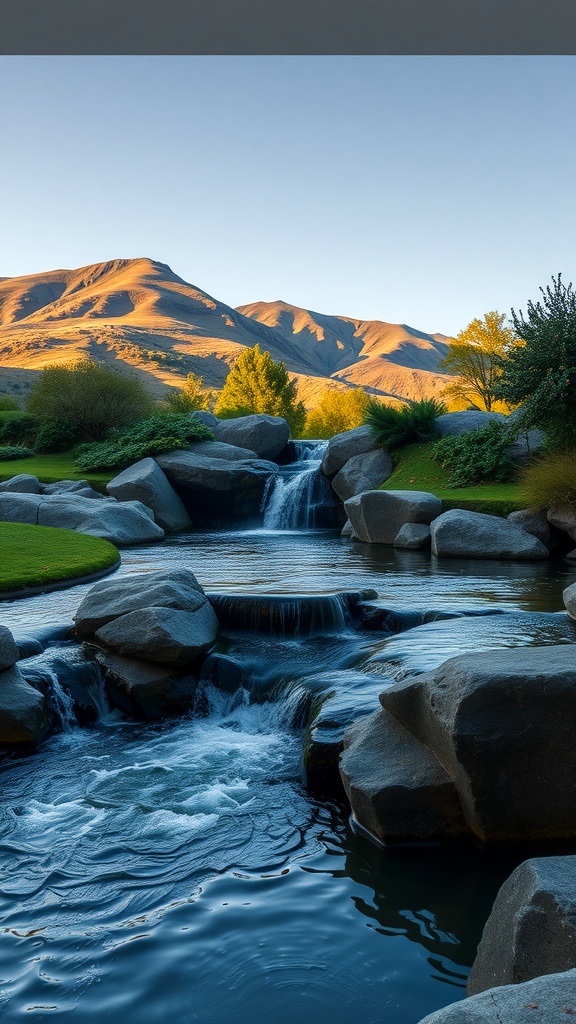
<point>335,412</point>
<point>474,358</point>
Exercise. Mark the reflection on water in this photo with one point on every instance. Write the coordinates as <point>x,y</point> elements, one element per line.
<point>180,870</point>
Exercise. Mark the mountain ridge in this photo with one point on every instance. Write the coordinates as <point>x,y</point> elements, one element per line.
<point>139,313</point>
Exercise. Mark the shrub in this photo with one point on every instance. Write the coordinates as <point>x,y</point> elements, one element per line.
<point>94,396</point>
<point>394,427</point>
<point>9,404</point>
<point>148,437</point>
<point>56,436</point>
<point>19,451</point>
<point>550,480</point>
<point>477,456</point>
<point>19,428</point>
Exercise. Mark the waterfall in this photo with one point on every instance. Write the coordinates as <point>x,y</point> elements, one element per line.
<point>294,496</point>
<point>285,615</point>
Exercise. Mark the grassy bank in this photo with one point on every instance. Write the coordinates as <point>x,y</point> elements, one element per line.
<point>35,555</point>
<point>416,471</point>
<point>50,468</point>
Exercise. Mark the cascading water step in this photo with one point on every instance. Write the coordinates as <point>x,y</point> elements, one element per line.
<point>299,496</point>
<point>288,614</point>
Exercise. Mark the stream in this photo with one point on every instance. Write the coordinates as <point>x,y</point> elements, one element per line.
<point>181,870</point>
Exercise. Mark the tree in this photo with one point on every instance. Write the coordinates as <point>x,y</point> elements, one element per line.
<point>474,357</point>
<point>92,396</point>
<point>335,412</point>
<point>256,384</point>
<point>191,397</point>
<point>541,371</point>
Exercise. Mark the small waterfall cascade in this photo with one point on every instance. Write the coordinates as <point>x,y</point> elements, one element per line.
<point>289,614</point>
<point>293,497</point>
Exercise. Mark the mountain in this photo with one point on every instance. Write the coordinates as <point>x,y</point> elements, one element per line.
<point>388,359</point>
<point>139,314</point>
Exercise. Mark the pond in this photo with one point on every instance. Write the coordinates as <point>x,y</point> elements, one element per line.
<point>181,870</point>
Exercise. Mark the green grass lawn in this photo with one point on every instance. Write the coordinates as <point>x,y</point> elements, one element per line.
<point>50,468</point>
<point>33,555</point>
<point>417,471</point>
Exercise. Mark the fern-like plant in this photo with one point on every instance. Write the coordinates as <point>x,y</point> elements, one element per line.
<point>395,427</point>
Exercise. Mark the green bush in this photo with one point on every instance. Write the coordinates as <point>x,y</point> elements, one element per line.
<point>477,456</point>
<point>395,427</point>
<point>9,404</point>
<point>148,437</point>
<point>56,436</point>
<point>8,454</point>
<point>18,428</point>
<point>550,480</point>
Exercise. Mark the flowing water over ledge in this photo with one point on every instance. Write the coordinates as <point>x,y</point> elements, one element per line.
<point>180,869</point>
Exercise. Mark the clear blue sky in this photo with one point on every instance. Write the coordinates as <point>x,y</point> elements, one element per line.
<point>423,190</point>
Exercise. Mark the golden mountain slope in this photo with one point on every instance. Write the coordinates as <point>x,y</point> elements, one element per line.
<point>388,359</point>
<point>140,315</point>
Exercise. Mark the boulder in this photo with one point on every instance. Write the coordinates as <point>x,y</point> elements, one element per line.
<point>143,690</point>
<point>547,1000</point>
<point>23,483</point>
<point>220,450</point>
<point>218,488</point>
<point>534,523</point>
<point>461,534</point>
<point>9,652</point>
<point>502,723</point>
<point>377,516</point>
<point>347,530</point>
<point>65,487</point>
<point>207,418</point>
<point>362,473</point>
<point>165,635</point>
<point>145,482</point>
<point>526,443</point>
<point>532,927</point>
<point>177,588</point>
<point>413,536</point>
<point>25,715</point>
<point>569,597</point>
<point>89,492</point>
<point>398,790</point>
<point>19,508</point>
<point>265,435</point>
<point>563,517</point>
<point>345,446</point>
<point>571,556</point>
<point>128,522</point>
<point>453,424</point>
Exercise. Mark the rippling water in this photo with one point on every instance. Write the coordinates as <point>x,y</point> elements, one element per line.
<point>180,870</point>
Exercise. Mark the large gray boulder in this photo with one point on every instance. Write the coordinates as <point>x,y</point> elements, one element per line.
<point>176,588</point>
<point>25,715</point>
<point>19,508</point>
<point>532,522</point>
<point>569,596</point>
<point>145,482</point>
<point>362,473</point>
<point>23,483</point>
<point>65,487</point>
<point>413,537</point>
<point>220,450</point>
<point>532,927</point>
<point>121,523</point>
<point>453,424</point>
<point>9,652</point>
<point>345,446</point>
<point>461,534</point>
<point>377,516</point>
<point>503,724</point>
<point>165,635</point>
<point>218,487</point>
<point>265,435</point>
<point>563,516</point>
<point>207,418</point>
<point>147,691</point>
<point>547,1000</point>
<point>398,790</point>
